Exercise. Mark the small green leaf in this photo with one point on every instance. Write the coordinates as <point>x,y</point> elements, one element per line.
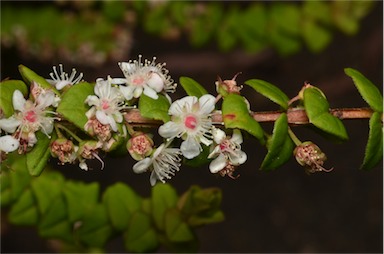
<point>374,148</point>
<point>201,206</point>
<point>154,109</point>
<point>316,36</point>
<point>121,202</point>
<point>53,223</point>
<point>192,87</point>
<point>37,158</point>
<point>95,228</point>
<point>270,91</point>
<point>370,93</point>
<point>5,189</point>
<point>20,180</point>
<point>72,106</point>
<point>46,190</point>
<point>236,115</point>
<point>280,145</point>
<point>24,211</point>
<point>163,197</point>
<point>30,76</point>
<point>175,228</point>
<point>140,235</point>
<point>317,109</point>
<point>80,198</point>
<point>7,88</point>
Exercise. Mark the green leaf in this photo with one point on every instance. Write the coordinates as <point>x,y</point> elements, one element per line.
<point>46,190</point>
<point>163,197</point>
<point>236,115</point>
<point>121,202</point>
<point>38,157</point>
<point>7,88</point>
<point>81,198</point>
<point>316,36</point>
<point>201,206</point>
<point>30,76</point>
<point>280,145</point>
<point>191,87</point>
<point>374,148</point>
<point>270,91</point>
<point>317,109</point>
<point>5,189</point>
<point>200,160</point>
<point>175,228</point>
<point>140,235</point>
<point>72,106</point>
<point>53,223</point>
<point>370,93</point>
<point>20,180</point>
<point>154,109</point>
<point>95,228</point>
<point>24,211</point>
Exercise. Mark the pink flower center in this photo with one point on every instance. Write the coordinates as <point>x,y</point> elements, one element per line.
<point>224,145</point>
<point>190,122</point>
<point>138,81</point>
<point>105,105</point>
<point>30,116</point>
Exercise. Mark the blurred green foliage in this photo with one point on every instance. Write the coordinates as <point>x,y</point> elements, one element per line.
<point>101,30</point>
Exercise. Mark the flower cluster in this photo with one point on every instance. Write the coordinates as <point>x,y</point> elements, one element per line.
<point>190,124</point>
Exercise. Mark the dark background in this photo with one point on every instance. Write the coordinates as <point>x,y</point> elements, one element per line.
<point>280,211</point>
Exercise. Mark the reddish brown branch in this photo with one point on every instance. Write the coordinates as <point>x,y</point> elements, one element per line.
<point>296,116</point>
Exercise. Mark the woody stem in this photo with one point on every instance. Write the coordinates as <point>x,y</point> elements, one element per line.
<point>296,116</point>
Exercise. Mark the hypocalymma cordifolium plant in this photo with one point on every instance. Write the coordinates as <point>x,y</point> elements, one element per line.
<point>73,120</point>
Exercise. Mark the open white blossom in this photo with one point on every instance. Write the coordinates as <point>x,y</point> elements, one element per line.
<point>191,121</point>
<point>148,78</point>
<point>60,79</point>
<point>30,116</point>
<point>106,104</point>
<point>227,150</point>
<point>163,163</point>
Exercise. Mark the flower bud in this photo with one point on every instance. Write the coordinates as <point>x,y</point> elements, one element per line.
<point>95,128</point>
<point>311,157</point>
<point>140,145</point>
<point>88,149</point>
<point>228,86</point>
<point>64,150</point>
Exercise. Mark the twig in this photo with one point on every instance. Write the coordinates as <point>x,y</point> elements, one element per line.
<point>296,116</point>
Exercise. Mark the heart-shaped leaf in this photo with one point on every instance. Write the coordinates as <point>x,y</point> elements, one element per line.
<point>72,106</point>
<point>317,109</point>
<point>236,115</point>
<point>270,91</point>
<point>163,197</point>
<point>7,88</point>
<point>374,148</point>
<point>367,89</point>
<point>192,88</point>
<point>121,202</point>
<point>176,229</point>
<point>24,211</point>
<point>154,109</point>
<point>280,146</point>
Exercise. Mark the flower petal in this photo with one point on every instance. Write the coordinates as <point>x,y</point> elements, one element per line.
<point>102,117</point>
<point>237,137</point>
<point>190,148</point>
<point>127,91</point>
<point>142,166</point>
<point>8,144</point>
<point>156,82</point>
<point>178,105</point>
<point>10,124</point>
<point>137,92</point>
<point>218,135</point>
<point>18,100</point>
<point>169,130</point>
<point>207,104</point>
<point>61,84</point>
<point>218,164</point>
<point>92,100</point>
<point>239,158</point>
<point>150,92</point>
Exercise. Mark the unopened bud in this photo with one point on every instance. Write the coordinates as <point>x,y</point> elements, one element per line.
<point>225,87</point>
<point>311,157</point>
<point>140,145</point>
<point>95,128</point>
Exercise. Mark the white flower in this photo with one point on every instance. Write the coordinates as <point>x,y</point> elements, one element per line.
<point>8,144</point>
<point>148,78</point>
<point>228,150</point>
<point>107,103</point>
<point>30,116</point>
<point>163,163</point>
<point>190,121</point>
<point>61,79</point>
